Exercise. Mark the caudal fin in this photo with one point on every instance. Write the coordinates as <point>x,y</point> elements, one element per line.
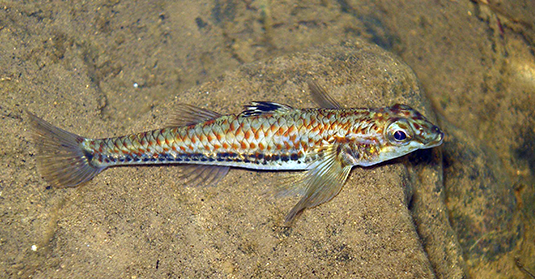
<point>61,160</point>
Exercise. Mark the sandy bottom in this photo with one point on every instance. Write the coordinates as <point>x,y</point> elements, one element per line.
<point>108,68</point>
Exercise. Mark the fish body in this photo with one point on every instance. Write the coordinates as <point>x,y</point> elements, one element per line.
<point>281,139</point>
<point>324,143</point>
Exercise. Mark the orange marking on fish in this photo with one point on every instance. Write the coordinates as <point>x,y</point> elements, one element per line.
<point>330,115</point>
<point>248,135</point>
<point>293,137</point>
<point>291,129</point>
<point>286,145</point>
<point>339,139</point>
<point>208,122</point>
<point>303,146</point>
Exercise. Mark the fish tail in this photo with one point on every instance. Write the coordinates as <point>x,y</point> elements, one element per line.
<point>62,160</point>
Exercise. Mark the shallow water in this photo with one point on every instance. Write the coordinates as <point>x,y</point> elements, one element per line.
<point>107,68</point>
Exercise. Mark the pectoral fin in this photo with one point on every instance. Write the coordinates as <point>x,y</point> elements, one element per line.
<point>321,183</point>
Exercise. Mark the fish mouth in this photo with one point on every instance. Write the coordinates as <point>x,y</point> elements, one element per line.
<point>439,138</point>
<point>434,138</point>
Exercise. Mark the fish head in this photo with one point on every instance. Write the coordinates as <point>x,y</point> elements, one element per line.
<point>408,130</point>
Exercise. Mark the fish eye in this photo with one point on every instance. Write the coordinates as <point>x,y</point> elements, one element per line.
<point>400,135</point>
<point>399,132</point>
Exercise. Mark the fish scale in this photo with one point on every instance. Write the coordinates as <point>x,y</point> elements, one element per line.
<point>324,143</point>
<point>277,138</point>
<point>281,142</point>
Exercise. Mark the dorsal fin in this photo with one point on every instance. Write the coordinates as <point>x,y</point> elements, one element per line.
<point>258,108</point>
<point>188,115</point>
<point>321,97</point>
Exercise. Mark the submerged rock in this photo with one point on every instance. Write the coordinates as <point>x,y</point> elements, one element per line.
<point>480,198</point>
<point>366,231</point>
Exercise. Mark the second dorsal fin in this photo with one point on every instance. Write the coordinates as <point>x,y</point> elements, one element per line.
<point>258,108</point>
<point>321,97</point>
<point>188,115</point>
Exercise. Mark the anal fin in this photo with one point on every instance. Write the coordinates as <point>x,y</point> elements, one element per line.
<point>203,175</point>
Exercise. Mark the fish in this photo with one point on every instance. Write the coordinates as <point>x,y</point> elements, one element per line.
<point>322,144</point>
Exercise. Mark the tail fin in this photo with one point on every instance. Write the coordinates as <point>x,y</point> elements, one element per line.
<point>61,160</point>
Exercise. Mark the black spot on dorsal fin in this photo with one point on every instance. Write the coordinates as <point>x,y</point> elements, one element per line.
<point>258,108</point>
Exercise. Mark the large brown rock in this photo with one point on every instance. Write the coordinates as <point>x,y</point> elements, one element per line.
<point>135,220</point>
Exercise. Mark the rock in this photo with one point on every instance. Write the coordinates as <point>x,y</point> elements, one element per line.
<point>146,218</point>
<point>480,198</point>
